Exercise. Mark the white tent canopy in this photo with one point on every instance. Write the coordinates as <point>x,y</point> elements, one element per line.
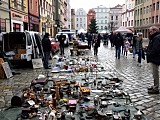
<point>123,29</point>
<point>82,31</point>
<point>103,31</point>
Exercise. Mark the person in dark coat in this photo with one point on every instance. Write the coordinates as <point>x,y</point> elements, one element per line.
<point>111,37</point>
<point>153,57</point>
<point>61,40</point>
<point>118,42</point>
<point>139,48</point>
<point>96,44</point>
<point>46,44</point>
<point>89,39</point>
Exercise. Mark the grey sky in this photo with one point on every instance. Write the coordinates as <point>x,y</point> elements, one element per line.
<point>88,4</point>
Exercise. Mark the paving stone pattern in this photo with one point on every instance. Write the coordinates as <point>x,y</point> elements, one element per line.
<point>135,80</point>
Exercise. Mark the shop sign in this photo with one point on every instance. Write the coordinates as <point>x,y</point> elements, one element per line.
<point>20,17</point>
<point>34,20</point>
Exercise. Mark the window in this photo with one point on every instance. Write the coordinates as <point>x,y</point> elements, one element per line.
<point>102,21</point>
<point>132,23</point>
<point>129,23</point>
<point>16,27</point>
<point>157,5</point>
<point>154,7</point>
<point>101,27</point>
<point>157,19</point>
<point>80,19</point>
<point>153,19</point>
<point>116,17</point>
<point>77,25</point>
<point>31,4</point>
<point>2,25</point>
<point>111,17</point>
<point>77,19</point>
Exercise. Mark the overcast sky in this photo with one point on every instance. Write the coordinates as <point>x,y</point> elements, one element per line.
<point>88,4</point>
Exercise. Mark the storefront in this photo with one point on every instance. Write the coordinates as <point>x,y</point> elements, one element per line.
<point>34,23</point>
<point>2,25</point>
<point>19,22</point>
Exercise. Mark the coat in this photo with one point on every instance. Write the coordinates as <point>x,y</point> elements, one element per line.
<point>153,49</point>
<point>46,43</point>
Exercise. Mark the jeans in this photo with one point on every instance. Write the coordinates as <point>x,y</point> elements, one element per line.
<point>95,51</point>
<point>139,56</point>
<point>134,50</point>
<point>46,59</point>
<point>118,51</point>
<point>155,72</point>
<point>61,48</point>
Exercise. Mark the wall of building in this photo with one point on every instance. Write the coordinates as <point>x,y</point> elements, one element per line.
<point>4,16</point>
<point>102,18</point>
<point>19,15</point>
<point>80,19</point>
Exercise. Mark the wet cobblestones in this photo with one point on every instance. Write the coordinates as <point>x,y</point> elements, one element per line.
<point>135,80</point>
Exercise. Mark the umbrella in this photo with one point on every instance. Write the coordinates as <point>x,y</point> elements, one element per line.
<point>123,29</point>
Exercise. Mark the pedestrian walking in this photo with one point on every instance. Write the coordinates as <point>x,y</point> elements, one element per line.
<point>133,44</point>
<point>153,57</point>
<point>139,48</point>
<point>46,44</point>
<point>61,40</point>
<point>89,39</point>
<point>111,37</point>
<point>96,44</point>
<point>118,42</point>
<point>126,46</point>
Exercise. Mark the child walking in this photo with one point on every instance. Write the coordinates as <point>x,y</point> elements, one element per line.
<point>126,46</point>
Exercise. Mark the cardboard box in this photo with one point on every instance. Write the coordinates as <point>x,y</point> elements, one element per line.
<point>21,51</point>
<point>17,57</point>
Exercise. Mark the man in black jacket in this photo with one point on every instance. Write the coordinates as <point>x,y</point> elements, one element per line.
<point>61,40</point>
<point>153,56</point>
<point>46,43</point>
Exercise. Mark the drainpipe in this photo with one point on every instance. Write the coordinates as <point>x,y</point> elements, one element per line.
<point>9,6</point>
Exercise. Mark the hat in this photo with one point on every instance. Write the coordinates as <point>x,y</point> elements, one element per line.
<point>46,35</point>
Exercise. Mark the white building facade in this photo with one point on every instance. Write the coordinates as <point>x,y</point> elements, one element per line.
<point>102,18</point>
<point>68,11</point>
<point>80,19</point>
<point>128,14</point>
<point>115,17</point>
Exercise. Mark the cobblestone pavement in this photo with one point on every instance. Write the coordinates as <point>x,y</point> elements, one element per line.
<point>136,80</point>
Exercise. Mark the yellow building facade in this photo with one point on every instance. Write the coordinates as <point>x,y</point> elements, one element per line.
<point>19,15</point>
<point>47,12</point>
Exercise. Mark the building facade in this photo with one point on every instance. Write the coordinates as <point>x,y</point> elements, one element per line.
<point>59,15</point>
<point>4,16</point>
<point>146,14</point>
<point>33,15</point>
<point>80,19</point>
<point>128,14</point>
<point>68,24</point>
<point>115,18</point>
<point>102,18</point>
<point>73,19</point>
<point>91,15</point>
<point>19,15</point>
<point>46,17</point>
